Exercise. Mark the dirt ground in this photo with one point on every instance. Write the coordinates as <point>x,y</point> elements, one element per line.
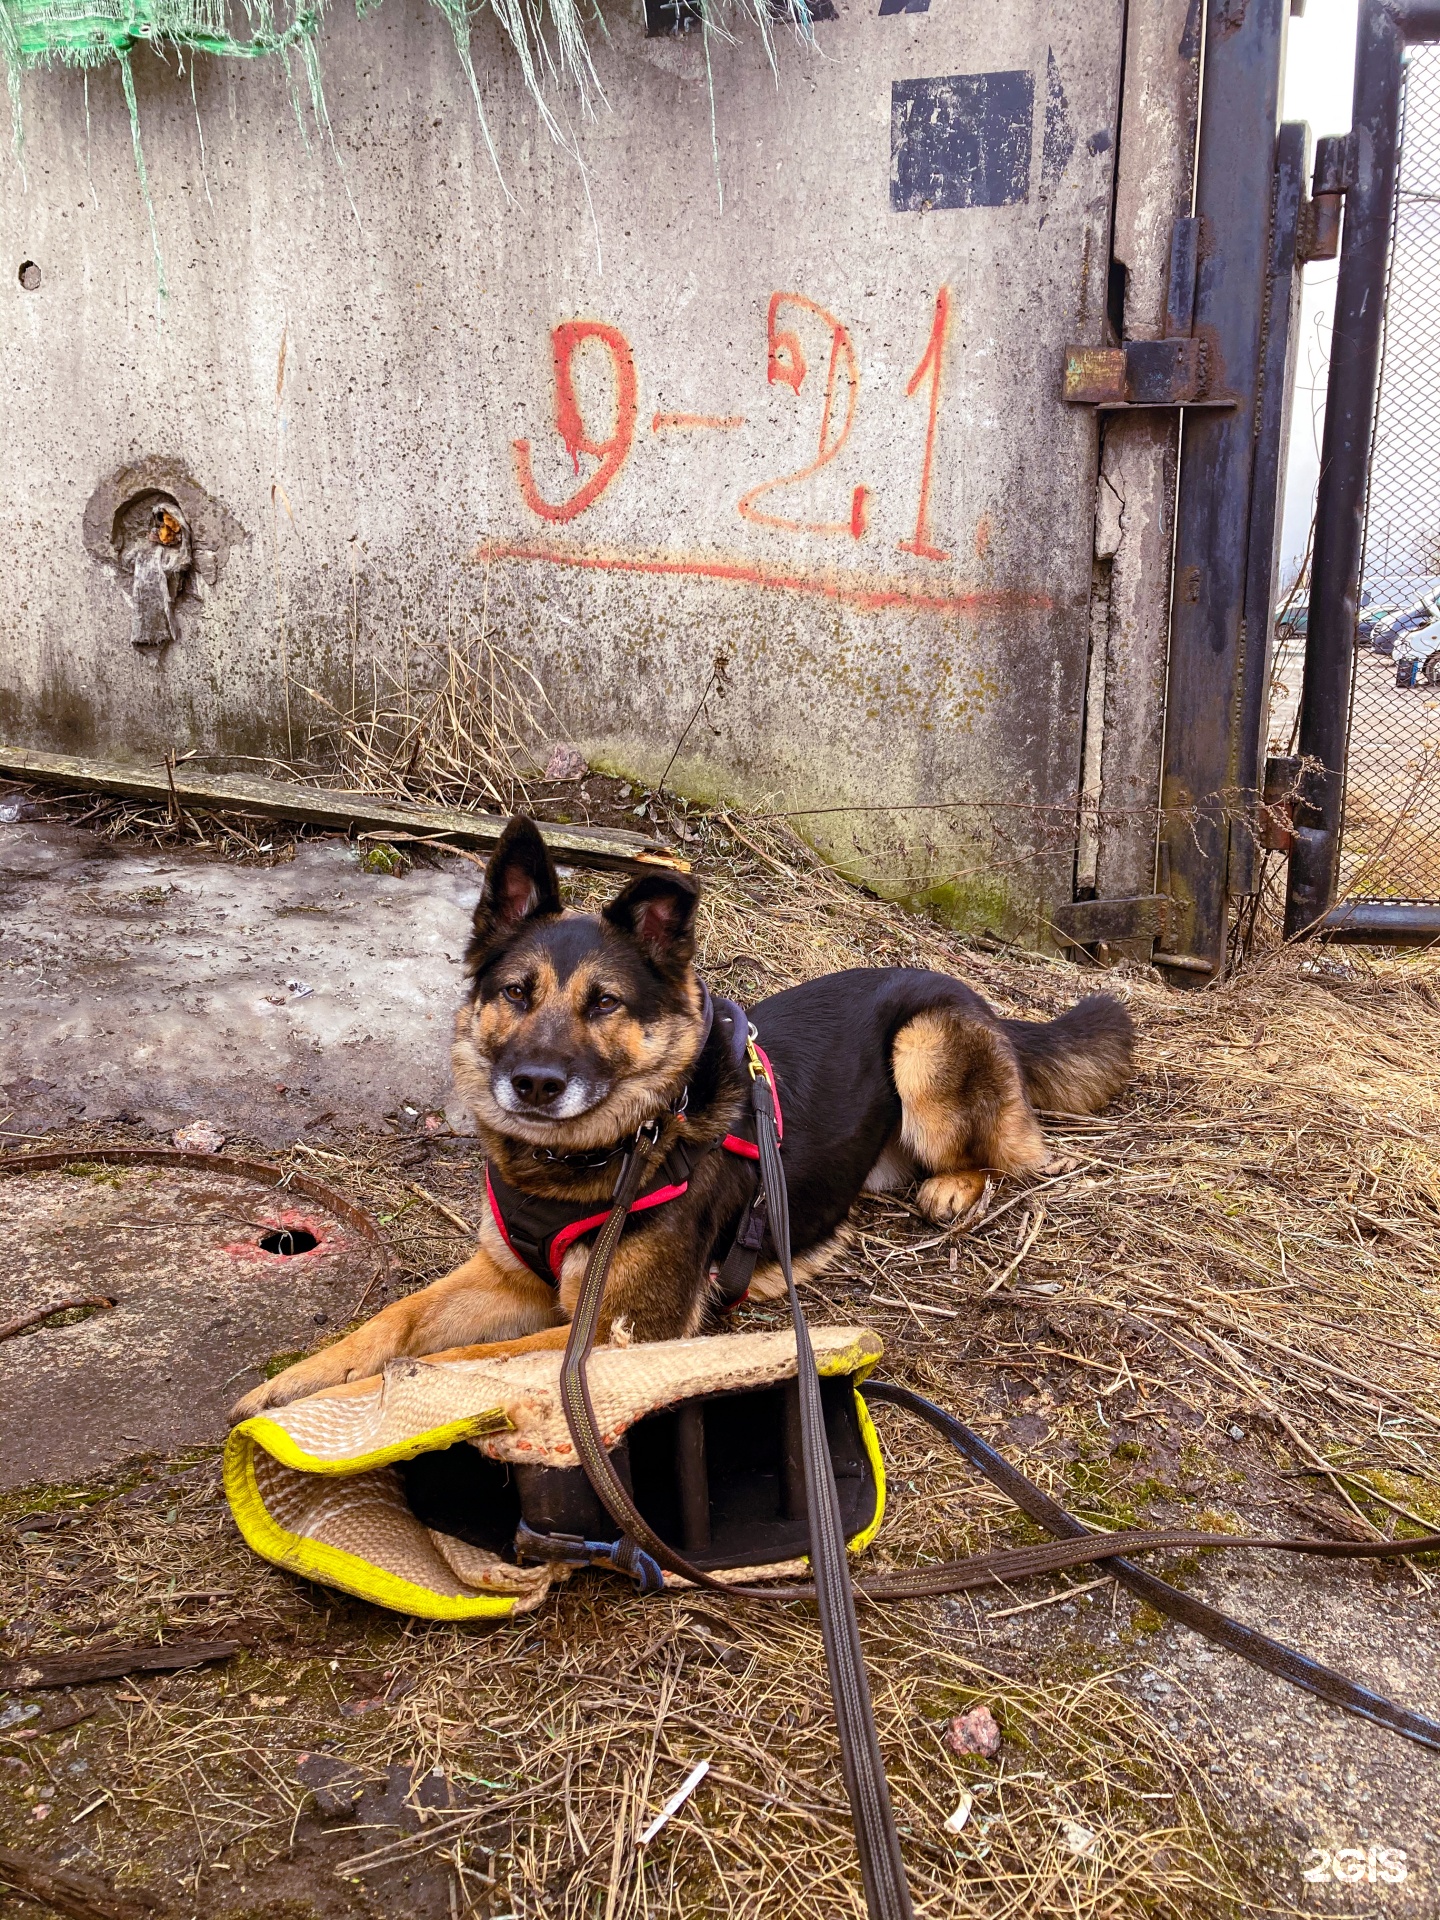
<point>1224,1315</point>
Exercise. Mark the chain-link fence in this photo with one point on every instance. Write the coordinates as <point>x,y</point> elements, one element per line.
<point>1391,840</point>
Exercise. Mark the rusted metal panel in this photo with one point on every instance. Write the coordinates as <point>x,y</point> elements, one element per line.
<point>1089,923</point>
<point>1135,529</point>
<point>791,401</point>
<point>1200,791</point>
<point>1142,373</point>
<point>1094,375</point>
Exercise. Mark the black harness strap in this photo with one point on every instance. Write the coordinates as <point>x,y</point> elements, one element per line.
<point>539,1231</point>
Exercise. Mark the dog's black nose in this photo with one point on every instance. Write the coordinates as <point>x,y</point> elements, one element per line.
<point>538,1084</point>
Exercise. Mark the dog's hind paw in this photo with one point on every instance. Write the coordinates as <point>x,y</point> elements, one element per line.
<point>951,1196</point>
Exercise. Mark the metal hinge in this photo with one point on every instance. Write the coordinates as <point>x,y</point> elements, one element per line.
<point>1088,923</point>
<point>1276,826</point>
<point>1319,234</point>
<point>1179,370</point>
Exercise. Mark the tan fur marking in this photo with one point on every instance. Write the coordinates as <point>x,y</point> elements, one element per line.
<point>962,1099</point>
<point>547,1340</point>
<point>949,1196</point>
<point>768,1282</point>
<point>647,1064</point>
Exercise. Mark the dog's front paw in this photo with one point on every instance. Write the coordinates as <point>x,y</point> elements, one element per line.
<point>328,1368</point>
<point>951,1196</point>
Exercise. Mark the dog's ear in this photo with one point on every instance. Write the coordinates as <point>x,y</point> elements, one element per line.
<point>657,912</point>
<point>520,884</point>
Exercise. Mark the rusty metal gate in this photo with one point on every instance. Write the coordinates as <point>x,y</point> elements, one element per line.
<point>1390,837</point>
<point>1365,862</point>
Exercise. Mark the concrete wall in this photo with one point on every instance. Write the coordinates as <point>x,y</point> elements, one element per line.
<point>357,339</point>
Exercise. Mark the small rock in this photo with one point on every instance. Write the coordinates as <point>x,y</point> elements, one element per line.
<point>1079,1839</point>
<point>565,763</point>
<point>201,1136</point>
<point>974,1732</point>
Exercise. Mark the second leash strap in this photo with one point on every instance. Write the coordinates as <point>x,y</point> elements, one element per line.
<point>887,1892</point>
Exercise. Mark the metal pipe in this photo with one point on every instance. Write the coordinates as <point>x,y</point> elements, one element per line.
<point>1345,454</point>
<point>1385,923</point>
<point>1417,19</point>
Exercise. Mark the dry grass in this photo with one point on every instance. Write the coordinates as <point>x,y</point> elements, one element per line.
<point>248,839</point>
<point>454,725</point>
<point>1249,1242</point>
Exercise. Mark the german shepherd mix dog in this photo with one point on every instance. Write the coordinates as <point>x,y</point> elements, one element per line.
<point>579,1030</point>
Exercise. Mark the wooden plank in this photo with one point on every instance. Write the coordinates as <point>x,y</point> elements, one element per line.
<point>1136,525</point>
<point>110,1663</point>
<point>607,847</point>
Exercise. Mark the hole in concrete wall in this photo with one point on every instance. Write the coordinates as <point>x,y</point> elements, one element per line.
<point>29,275</point>
<point>137,519</point>
<point>289,1240</point>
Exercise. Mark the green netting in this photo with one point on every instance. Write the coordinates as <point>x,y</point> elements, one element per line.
<point>35,33</point>
<point>549,38</point>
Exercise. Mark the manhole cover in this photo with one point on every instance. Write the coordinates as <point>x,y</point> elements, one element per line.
<point>212,1269</point>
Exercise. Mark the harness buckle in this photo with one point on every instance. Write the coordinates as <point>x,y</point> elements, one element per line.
<point>752,1053</point>
<point>570,1550</point>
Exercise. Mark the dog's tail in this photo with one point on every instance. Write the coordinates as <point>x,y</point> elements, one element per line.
<point>1078,1063</point>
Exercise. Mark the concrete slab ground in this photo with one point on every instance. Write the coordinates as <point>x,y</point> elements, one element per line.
<point>174,986</point>
<point>207,1275</point>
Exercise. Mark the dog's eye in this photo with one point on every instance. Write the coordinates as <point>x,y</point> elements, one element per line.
<point>606,1002</point>
<point>515,994</point>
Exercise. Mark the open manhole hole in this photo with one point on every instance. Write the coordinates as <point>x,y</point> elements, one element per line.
<point>287,1241</point>
<point>141,1295</point>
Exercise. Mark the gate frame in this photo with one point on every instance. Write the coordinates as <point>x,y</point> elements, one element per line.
<point>1370,179</point>
<point>1249,191</point>
<point>1233,303</point>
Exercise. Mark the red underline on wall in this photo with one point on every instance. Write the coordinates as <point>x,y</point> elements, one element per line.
<point>724,422</point>
<point>854,590</point>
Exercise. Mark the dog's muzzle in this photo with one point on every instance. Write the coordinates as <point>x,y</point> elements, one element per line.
<point>543,1090</point>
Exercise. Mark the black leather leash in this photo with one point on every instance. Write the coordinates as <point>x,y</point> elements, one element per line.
<point>1270,1655</point>
<point>887,1893</point>
<point>641,1550</point>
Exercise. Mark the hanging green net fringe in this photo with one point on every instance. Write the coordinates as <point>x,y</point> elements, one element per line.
<point>83,33</point>
<point>549,38</point>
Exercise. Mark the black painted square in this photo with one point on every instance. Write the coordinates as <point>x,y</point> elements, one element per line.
<point>960,140</point>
